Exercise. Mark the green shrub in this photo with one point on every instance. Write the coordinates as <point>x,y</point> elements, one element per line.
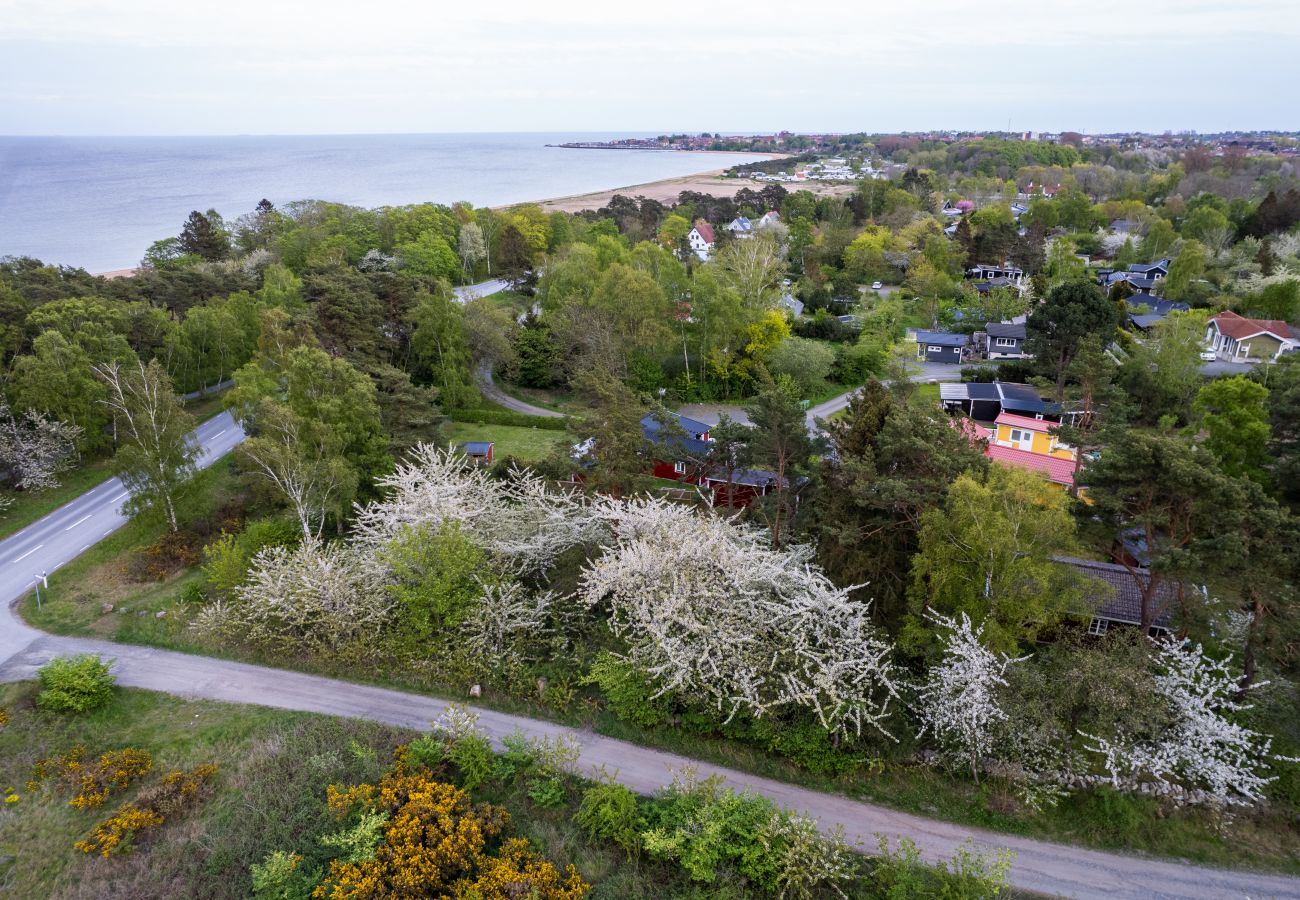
<point>426,752</point>
<point>900,875</point>
<point>610,812</point>
<point>472,756</point>
<point>627,691</point>
<point>226,560</point>
<point>280,876</point>
<point>75,684</point>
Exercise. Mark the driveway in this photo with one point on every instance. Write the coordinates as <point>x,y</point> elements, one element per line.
<point>489,389</point>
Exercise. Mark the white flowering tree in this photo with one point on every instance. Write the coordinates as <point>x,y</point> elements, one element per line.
<point>709,611</point>
<point>957,703</point>
<point>519,518</point>
<point>316,597</point>
<point>507,615</point>
<point>1203,747</point>
<point>34,448</point>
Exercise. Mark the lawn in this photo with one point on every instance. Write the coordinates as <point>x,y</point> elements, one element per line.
<point>525,444</point>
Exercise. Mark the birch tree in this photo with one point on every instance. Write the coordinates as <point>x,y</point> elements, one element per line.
<point>155,455</point>
<point>471,247</point>
<point>957,703</point>
<point>302,460</point>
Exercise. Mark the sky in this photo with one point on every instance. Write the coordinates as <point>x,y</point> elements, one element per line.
<point>159,67</point>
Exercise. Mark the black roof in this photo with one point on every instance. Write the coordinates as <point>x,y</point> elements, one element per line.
<point>1005,329</point>
<point>1114,595</point>
<point>1156,306</point>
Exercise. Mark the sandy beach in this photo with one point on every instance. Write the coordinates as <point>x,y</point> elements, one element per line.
<point>667,189</point>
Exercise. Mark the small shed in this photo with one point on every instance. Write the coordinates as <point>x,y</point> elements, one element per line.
<point>939,346</point>
<point>480,451</point>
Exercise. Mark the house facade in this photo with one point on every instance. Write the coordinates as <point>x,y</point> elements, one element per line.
<point>1029,444</point>
<point>701,238</point>
<point>939,346</point>
<point>1006,340</point>
<point>1237,339</point>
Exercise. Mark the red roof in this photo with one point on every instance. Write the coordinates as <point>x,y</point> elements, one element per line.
<point>1239,327</point>
<point>1006,418</point>
<point>705,230</point>
<point>1060,471</point>
<point>970,429</point>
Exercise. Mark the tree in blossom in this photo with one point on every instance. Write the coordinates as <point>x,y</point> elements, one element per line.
<point>1203,747</point>
<point>957,703</point>
<point>519,518</point>
<point>724,618</point>
<point>34,448</point>
<point>318,597</point>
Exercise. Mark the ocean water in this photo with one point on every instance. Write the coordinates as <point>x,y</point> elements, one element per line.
<point>99,202</point>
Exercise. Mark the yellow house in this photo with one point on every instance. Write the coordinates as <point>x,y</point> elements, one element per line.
<point>1030,435</point>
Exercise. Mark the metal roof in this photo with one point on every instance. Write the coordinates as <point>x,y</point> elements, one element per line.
<point>941,338</point>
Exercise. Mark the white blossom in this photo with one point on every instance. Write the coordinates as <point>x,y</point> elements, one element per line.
<point>317,597</point>
<point>710,611</point>
<point>519,518</point>
<point>1203,748</point>
<point>34,448</point>
<point>957,704</point>
<point>507,614</point>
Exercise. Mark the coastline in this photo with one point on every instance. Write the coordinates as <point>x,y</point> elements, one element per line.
<point>664,190</point>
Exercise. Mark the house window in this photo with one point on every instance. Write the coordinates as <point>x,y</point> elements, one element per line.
<point>1097,627</point>
<point>679,468</point>
<point>1005,342</point>
<point>933,349</point>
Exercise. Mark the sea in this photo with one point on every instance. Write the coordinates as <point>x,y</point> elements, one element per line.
<point>99,202</point>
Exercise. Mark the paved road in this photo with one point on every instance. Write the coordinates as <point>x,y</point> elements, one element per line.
<point>482,289</point>
<point>490,390</point>
<point>1038,866</point>
<point>48,543</point>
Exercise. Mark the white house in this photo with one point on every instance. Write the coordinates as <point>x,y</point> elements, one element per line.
<point>701,239</point>
<point>770,218</point>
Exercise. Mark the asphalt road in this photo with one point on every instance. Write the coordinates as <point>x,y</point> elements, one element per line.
<point>45,545</point>
<point>1047,868</point>
<point>482,289</point>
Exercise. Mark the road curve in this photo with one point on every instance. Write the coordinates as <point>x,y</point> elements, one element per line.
<point>1040,866</point>
<point>489,389</point>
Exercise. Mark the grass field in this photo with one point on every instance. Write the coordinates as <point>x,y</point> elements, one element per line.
<point>526,444</point>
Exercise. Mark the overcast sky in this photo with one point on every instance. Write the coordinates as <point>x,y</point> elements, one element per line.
<point>327,66</point>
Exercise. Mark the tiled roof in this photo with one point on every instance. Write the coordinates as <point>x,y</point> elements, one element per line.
<point>1006,418</point>
<point>1060,471</point>
<point>1117,598</point>
<point>705,230</point>
<point>1238,327</point>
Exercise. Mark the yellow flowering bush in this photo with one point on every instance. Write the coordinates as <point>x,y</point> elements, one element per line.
<point>116,833</point>
<point>171,795</point>
<point>114,771</point>
<point>435,842</point>
<point>93,783</point>
<point>4,717</point>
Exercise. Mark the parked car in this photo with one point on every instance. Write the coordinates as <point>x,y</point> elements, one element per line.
<point>1208,356</point>
<point>876,285</point>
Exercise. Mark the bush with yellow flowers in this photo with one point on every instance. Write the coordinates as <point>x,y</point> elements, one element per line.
<point>436,842</point>
<point>116,834</point>
<point>4,717</point>
<point>93,782</point>
<point>173,794</point>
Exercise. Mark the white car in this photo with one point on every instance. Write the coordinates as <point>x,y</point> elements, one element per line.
<point>1208,356</point>
<point>876,285</point>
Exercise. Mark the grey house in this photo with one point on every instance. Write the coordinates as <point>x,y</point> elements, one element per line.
<point>939,346</point>
<point>1006,340</point>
